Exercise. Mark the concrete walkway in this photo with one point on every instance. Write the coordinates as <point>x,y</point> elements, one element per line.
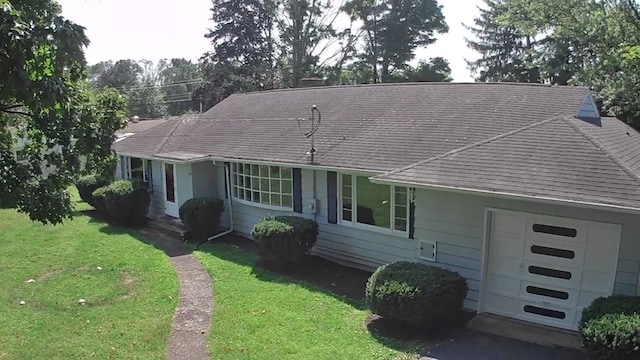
<point>192,318</point>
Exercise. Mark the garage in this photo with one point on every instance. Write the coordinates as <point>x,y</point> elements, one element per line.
<point>546,269</point>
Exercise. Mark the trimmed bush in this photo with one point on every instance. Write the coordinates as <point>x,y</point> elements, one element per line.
<point>87,185</point>
<point>612,337</point>
<point>416,294</point>
<point>127,204</point>
<point>284,239</point>
<point>201,216</point>
<point>610,328</point>
<point>99,197</point>
<point>616,304</point>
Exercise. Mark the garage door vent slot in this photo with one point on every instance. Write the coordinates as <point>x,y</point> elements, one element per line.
<point>562,295</point>
<point>538,270</point>
<point>543,250</point>
<point>555,230</point>
<point>545,312</point>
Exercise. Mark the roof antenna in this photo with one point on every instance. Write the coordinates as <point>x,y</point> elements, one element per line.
<point>314,127</point>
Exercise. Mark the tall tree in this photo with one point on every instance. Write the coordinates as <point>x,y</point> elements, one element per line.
<point>122,75</point>
<point>435,70</point>
<point>147,99</point>
<point>179,78</point>
<point>393,29</point>
<point>46,106</point>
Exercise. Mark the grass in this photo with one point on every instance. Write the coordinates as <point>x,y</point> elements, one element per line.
<point>261,315</point>
<point>129,301</point>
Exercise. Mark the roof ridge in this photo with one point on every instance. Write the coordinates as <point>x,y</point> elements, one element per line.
<point>603,148</point>
<point>166,138</point>
<point>414,83</point>
<point>471,146</point>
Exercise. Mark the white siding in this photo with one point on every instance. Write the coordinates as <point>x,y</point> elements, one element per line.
<point>204,179</point>
<point>184,183</point>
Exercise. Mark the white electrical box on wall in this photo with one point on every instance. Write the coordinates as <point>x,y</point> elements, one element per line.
<point>427,250</point>
<point>313,205</point>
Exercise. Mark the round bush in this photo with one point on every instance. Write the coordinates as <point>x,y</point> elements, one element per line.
<point>87,185</point>
<point>612,337</point>
<point>616,304</point>
<point>415,293</point>
<point>127,204</point>
<point>201,216</point>
<point>284,239</point>
<point>99,197</point>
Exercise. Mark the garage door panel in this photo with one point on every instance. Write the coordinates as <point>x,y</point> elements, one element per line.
<point>546,269</point>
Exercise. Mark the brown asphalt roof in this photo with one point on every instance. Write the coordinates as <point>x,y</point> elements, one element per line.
<point>387,127</point>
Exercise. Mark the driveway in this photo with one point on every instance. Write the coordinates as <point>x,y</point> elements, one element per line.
<point>473,345</point>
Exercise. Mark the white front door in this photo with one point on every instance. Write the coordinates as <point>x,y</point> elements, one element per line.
<point>546,269</point>
<point>169,182</point>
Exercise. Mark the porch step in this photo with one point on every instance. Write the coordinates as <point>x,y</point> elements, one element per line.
<point>167,225</point>
<point>525,331</point>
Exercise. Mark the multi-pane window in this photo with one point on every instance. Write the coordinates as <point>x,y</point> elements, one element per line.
<point>263,184</point>
<point>363,202</point>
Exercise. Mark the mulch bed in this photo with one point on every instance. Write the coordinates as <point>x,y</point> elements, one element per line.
<point>339,279</point>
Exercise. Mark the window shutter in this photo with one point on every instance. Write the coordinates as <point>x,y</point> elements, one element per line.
<point>412,214</point>
<point>297,190</point>
<point>332,197</point>
<point>227,190</point>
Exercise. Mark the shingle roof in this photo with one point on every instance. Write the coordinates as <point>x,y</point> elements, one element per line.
<point>558,158</point>
<point>142,125</point>
<point>513,138</point>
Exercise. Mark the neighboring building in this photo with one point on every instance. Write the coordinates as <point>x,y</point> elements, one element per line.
<point>525,190</point>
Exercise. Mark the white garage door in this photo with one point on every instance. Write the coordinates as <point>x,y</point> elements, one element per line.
<point>546,269</point>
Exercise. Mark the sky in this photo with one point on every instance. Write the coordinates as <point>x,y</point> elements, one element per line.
<point>157,29</point>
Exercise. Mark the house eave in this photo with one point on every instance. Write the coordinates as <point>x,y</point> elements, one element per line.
<point>512,196</point>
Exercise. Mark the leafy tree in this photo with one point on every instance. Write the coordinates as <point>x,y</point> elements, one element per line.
<point>46,106</point>
<point>122,75</point>
<point>393,29</point>
<point>434,70</point>
<point>179,78</point>
<point>147,100</point>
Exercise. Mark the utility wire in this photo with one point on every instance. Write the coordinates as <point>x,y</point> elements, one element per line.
<point>184,82</point>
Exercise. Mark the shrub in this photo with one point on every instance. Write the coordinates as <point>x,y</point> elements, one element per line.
<point>127,204</point>
<point>610,327</point>
<point>416,294</point>
<point>87,185</point>
<point>99,197</point>
<point>612,337</point>
<point>201,216</point>
<point>616,304</point>
<point>284,239</point>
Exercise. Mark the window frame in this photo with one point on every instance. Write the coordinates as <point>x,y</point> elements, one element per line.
<point>354,207</point>
<point>147,176</point>
<point>236,187</point>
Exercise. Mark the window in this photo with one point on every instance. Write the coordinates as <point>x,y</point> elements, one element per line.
<point>136,169</point>
<point>383,206</point>
<point>263,184</point>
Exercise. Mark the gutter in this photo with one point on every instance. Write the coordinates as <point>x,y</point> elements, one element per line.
<point>505,195</point>
<point>228,190</point>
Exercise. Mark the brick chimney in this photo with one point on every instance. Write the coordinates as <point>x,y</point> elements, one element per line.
<point>310,82</point>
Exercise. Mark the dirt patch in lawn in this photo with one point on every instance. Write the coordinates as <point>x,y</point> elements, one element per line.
<point>128,281</point>
<point>48,274</point>
<point>339,279</point>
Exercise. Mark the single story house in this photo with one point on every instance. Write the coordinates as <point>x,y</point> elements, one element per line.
<point>525,190</point>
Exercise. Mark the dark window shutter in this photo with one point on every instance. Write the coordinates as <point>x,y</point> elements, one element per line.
<point>227,190</point>
<point>297,190</point>
<point>332,197</point>
<point>412,215</point>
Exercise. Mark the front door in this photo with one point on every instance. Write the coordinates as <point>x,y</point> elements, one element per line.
<point>170,190</point>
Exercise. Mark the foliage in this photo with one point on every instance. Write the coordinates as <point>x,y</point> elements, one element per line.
<point>393,30</point>
<point>99,197</point>
<point>179,78</point>
<point>284,239</point>
<point>435,70</point>
<point>135,280</point>
<point>612,337</point>
<point>416,294</point>
<point>87,184</point>
<point>305,321</point>
<point>201,216</point>
<point>122,75</point>
<point>45,104</point>
<point>127,203</point>
<point>616,304</point>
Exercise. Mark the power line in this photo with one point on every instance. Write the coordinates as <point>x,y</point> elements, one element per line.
<point>184,82</point>
<point>160,102</point>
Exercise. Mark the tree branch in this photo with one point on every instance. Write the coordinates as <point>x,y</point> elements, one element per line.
<point>4,107</point>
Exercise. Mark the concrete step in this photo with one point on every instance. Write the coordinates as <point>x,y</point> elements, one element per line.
<point>170,226</point>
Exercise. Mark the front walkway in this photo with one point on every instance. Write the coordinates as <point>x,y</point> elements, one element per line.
<point>192,318</point>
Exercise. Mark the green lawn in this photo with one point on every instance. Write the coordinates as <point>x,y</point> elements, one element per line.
<point>130,301</point>
<point>261,315</point>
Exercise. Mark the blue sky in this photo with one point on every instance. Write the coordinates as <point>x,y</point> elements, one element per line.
<point>156,29</point>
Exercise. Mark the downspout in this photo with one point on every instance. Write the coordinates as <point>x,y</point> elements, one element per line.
<point>229,198</point>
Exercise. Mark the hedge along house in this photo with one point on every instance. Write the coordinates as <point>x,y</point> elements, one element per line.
<point>525,190</point>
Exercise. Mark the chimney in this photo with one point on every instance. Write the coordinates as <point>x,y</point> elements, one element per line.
<point>310,82</point>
